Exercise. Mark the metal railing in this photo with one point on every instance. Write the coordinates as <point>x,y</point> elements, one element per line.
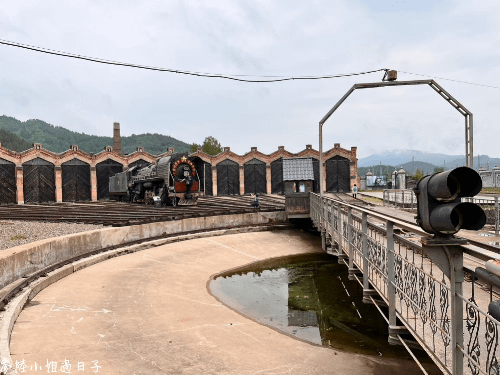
<point>400,198</point>
<point>423,289</point>
<point>406,199</point>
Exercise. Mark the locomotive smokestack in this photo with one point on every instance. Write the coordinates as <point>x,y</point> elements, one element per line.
<point>117,139</point>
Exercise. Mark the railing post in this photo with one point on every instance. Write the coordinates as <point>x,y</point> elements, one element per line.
<point>450,260</point>
<point>364,247</point>
<point>458,316</point>
<point>339,227</point>
<point>383,198</point>
<point>350,239</point>
<point>312,198</point>
<point>325,213</point>
<point>497,218</point>
<point>320,212</point>
<point>330,223</point>
<point>391,284</point>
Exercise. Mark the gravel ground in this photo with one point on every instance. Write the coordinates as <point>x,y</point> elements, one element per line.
<point>16,232</point>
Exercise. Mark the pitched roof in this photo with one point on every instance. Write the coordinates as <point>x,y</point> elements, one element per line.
<point>298,169</point>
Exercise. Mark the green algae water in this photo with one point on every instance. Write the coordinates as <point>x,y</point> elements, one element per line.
<point>310,298</point>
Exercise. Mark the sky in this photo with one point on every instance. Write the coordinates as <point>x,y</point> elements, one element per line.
<point>457,40</point>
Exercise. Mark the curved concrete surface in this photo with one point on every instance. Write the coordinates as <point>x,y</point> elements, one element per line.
<point>22,260</point>
<point>150,313</point>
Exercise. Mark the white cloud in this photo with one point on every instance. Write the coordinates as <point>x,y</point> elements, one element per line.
<point>457,40</point>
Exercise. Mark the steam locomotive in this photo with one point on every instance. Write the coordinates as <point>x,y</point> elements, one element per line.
<point>172,179</point>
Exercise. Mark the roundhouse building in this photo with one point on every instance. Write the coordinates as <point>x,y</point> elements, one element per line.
<point>38,175</point>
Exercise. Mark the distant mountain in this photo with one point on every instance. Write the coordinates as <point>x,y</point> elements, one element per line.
<point>398,157</point>
<point>13,142</point>
<point>59,139</point>
<point>479,161</point>
<point>405,157</point>
<point>410,168</point>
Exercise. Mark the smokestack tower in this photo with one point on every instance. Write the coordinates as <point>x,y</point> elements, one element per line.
<point>117,139</point>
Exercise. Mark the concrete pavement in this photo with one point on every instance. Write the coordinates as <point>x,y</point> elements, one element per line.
<point>150,313</point>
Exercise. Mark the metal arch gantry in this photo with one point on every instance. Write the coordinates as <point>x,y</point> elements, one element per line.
<point>435,86</point>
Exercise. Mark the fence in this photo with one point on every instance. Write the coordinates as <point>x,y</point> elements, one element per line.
<point>406,199</point>
<point>402,198</point>
<point>421,286</point>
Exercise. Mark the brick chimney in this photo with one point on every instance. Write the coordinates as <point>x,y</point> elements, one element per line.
<point>117,139</point>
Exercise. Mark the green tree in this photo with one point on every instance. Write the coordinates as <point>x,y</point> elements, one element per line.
<point>211,146</point>
<point>438,169</point>
<point>12,142</point>
<point>193,147</point>
<point>418,174</point>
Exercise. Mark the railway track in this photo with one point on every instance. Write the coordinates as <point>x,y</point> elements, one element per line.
<point>347,198</point>
<point>111,213</point>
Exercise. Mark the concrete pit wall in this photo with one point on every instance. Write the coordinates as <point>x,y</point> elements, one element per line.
<point>26,259</point>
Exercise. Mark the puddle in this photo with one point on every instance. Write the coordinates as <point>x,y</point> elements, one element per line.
<point>308,297</point>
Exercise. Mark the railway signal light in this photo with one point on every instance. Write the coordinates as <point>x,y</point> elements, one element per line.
<point>439,207</point>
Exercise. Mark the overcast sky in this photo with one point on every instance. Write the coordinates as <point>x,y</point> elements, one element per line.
<point>458,40</point>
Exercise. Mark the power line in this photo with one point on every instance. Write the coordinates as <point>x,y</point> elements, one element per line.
<point>197,74</point>
<point>452,80</point>
<point>233,77</point>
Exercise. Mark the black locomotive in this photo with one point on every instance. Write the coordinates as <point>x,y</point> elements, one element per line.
<point>172,179</point>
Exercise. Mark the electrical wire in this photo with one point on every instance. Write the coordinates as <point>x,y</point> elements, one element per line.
<point>197,74</point>
<point>452,80</point>
<point>233,77</point>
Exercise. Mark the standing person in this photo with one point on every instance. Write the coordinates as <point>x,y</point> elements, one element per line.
<point>354,191</point>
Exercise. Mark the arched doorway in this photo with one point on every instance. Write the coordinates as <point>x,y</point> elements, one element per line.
<point>228,178</point>
<point>337,174</point>
<point>255,177</point>
<point>39,181</point>
<point>75,181</point>
<point>8,187</point>
<point>277,185</point>
<point>104,170</point>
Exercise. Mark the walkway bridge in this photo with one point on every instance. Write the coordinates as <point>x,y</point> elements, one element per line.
<point>419,289</point>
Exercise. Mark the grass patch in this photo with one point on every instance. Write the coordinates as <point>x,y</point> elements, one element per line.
<point>18,237</point>
<point>491,190</point>
<point>373,199</point>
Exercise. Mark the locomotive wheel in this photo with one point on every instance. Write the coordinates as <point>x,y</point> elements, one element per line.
<point>174,201</point>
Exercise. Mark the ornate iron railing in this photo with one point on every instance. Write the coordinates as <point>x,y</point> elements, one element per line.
<point>422,289</point>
